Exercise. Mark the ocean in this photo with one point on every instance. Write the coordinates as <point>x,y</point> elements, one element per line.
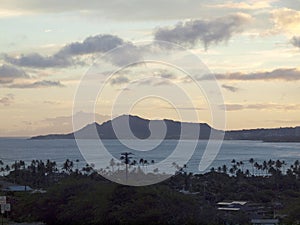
<point>12,149</point>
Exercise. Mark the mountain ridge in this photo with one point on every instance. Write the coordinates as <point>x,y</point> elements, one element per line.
<point>140,129</point>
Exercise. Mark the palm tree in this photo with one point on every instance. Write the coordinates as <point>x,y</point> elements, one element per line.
<point>265,167</point>
<point>234,167</point>
<point>112,164</point>
<point>242,165</point>
<point>224,168</point>
<point>271,163</point>
<point>231,171</point>
<point>141,161</point>
<point>247,173</point>
<point>2,168</point>
<point>146,164</point>
<point>7,168</point>
<point>297,163</point>
<point>68,165</point>
<point>251,161</point>
<point>283,166</point>
<point>278,165</point>
<point>125,157</point>
<point>77,161</point>
<point>133,163</point>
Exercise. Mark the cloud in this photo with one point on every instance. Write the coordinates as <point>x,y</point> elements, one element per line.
<point>132,10</point>
<point>119,80</point>
<point>7,100</point>
<point>253,5</point>
<point>230,88</point>
<point>296,41</point>
<point>37,84</point>
<point>63,124</point>
<point>188,108</point>
<point>285,20</point>
<point>56,125</point>
<point>291,4</point>
<point>9,73</point>
<point>126,55</point>
<point>36,60</point>
<point>266,106</point>
<point>51,102</point>
<point>63,58</point>
<point>93,44</point>
<point>278,74</point>
<point>192,32</point>
<point>167,75</point>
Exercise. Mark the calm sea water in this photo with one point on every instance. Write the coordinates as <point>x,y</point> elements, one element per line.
<point>60,150</point>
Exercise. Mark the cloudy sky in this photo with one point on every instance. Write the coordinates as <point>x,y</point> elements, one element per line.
<point>251,47</point>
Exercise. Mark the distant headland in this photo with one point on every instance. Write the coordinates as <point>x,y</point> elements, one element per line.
<point>140,128</point>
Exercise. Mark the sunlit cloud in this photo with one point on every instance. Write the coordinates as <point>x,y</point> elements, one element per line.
<point>261,106</point>
<point>251,5</point>
<point>285,20</point>
<point>292,74</point>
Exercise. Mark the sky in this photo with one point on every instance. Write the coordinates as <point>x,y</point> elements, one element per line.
<point>247,51</point>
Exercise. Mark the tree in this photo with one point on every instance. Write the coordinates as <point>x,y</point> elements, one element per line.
<point>125,157</point>
<point>242,165</point>
<point>251,161</point>
<point>278,164</point>
<point>68,165</point>
<point>112,164</point>
<point>224,168</point>
<point>7,168</point>
<point>2,168</point>
<point>265,167</point>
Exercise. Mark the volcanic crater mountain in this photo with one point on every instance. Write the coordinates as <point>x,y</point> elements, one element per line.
<point>139,127</point>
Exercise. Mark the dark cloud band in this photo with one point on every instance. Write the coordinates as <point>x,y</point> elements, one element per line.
<point>192,32</point>
<point>291,74</point>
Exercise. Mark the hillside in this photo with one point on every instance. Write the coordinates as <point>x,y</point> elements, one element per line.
<point>140,129</point>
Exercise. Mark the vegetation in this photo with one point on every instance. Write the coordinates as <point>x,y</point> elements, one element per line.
<point>82,196</point>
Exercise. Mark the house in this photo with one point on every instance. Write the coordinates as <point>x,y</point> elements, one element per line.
<point>17,188</point>
<point>231,205</point>
<point>264,221</point>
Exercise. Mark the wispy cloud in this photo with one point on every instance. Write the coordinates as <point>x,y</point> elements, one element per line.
<point>37,84</point>
<point>59,124</point>
<point>35,60</point>
<point>119,80</point>
<point>7,100</point>
<point>296,41</point>
<point>230,88</point>
<point>262,106</point>
<point>9,73</point>
<point>292,74</point>
<point>253,5</point>
<point>205,31</point>
<point>119,10</point>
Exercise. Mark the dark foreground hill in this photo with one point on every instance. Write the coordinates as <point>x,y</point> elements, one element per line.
<point>140,129</point>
